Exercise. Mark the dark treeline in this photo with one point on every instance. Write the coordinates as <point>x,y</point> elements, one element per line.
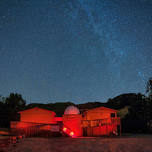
<point>9,107</point>
<point>135,110</point>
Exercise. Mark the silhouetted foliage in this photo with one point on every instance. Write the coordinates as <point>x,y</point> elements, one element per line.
<point>135,110</point>
<point>123,100</point>
<point>149,88</point>
<point>15,101</point>
<point>4,120</point>
<point>9,108</point>
<point>90,105</point>
<point>57,107</point>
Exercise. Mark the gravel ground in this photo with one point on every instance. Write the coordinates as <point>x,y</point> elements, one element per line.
<point>141,143</point>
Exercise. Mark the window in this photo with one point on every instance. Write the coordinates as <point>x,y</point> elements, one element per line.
<point>112,114</point>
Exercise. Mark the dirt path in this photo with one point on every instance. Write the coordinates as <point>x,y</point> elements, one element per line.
<point>4,143</point>
<point>60,144</point>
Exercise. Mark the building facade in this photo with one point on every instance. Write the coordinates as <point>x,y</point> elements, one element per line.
<point>94,122</point>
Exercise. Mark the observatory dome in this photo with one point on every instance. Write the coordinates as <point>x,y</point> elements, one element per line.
<point>71,110</point>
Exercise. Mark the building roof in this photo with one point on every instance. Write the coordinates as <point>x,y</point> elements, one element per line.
<point>102,108</point>
<point>37,108</point>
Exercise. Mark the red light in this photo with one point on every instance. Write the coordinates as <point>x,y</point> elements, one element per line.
<point>64,129</point>
<point>71,133</point>
<point>20,137</point>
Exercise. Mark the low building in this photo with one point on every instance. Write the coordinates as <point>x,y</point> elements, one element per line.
<point>35,120</point>
<point>100,121</point>
<point>94,122</point>
<point>37,115</point>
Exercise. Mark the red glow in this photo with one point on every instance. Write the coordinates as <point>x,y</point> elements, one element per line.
<point>71,133</point>
<point>97,122</point>
<point>64,129</point>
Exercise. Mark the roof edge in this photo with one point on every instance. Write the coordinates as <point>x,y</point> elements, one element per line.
<point>38,108</point>
<point>103,108</point>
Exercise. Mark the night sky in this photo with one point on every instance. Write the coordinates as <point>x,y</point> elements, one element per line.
<point>74,50</point>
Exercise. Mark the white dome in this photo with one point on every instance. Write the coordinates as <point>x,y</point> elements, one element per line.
<point>71,110</point>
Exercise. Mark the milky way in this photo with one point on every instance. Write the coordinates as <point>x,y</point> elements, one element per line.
<point>78,50</point>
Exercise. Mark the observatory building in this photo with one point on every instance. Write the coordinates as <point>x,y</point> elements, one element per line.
<point>93,122</point>
<point>72,120</point>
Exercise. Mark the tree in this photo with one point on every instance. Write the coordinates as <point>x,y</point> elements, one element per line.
<point>2,99</point>
<point>13,104</point>
<point>149,88</point>
<point>15,101</point>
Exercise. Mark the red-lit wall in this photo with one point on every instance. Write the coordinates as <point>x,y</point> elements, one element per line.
<point>73,122</point>
<point>37,115</point>
<point>99,113</point>
<point>98,121</point>
<point>103,130</point>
